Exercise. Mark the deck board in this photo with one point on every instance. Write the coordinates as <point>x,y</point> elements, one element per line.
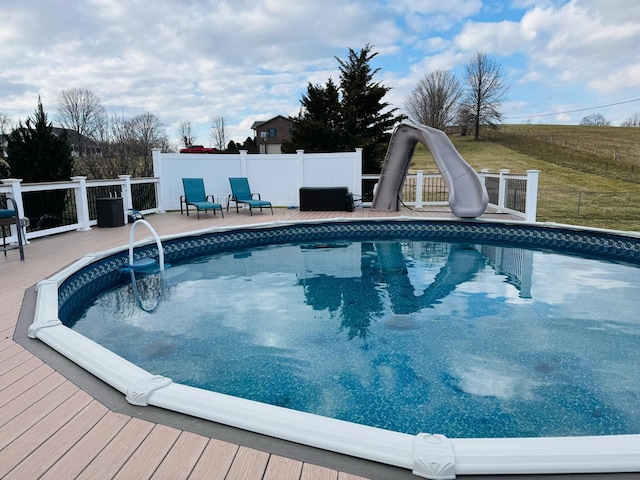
<point>59,443</point>
<point>116,453</point>
<point>148,456</point>
<point>282,468</point>
<point>215,461</point>
<point>181,459</point>
<point>26,443</point>
<point>76,459</point>
<point>248,464</point>
<point>49,428</point>
<point>27,375</point>
<point>28,408</point>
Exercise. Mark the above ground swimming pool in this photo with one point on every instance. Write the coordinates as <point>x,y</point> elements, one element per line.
<point>445,347</point>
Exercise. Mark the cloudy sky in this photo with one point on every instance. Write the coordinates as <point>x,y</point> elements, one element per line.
<point>191,60</point>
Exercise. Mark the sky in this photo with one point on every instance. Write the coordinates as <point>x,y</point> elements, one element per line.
<point>193,60</point>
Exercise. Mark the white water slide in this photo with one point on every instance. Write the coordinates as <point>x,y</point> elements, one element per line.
<point>467,194</point>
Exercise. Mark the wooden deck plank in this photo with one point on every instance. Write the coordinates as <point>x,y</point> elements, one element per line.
<point>316,472</point>
<point>107,463</point>
<point>24,382</point>
<point>282,468</point>
<point>20,448</point>
<point>249,464</point>
<point>12,350</point>
<point>59,443</point>
<point>13,375</point>
<point>14,360</point>
<point>215,461</point>
<point>181,459</point>
<point>87,448</point>
<point>148,456</point>
<point>28,408</point>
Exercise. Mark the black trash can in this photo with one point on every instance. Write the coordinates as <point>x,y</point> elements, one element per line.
<point>110,212</point>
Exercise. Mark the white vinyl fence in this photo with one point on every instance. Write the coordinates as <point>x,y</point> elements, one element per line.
<point>277,177</point>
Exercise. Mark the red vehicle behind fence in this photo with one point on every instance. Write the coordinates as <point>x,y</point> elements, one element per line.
<point>198,149</point>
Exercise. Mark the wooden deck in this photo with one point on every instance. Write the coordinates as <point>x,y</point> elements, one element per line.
<point>53,427</point>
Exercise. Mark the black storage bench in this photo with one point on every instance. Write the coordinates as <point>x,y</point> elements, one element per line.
<point>110,212</point>
<point>326,199</point>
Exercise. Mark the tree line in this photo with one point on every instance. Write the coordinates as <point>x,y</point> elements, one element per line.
<point>338,116</point>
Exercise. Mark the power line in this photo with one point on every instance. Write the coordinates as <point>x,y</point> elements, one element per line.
<point>574,111</point>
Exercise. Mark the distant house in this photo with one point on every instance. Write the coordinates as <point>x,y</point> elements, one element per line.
<point>271,133</point>
<point>81,146</point>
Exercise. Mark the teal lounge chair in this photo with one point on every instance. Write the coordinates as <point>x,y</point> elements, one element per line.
<point>195,196</point>
<point>241,193</point>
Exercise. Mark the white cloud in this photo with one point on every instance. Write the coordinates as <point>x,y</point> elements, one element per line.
<point>194,59</point>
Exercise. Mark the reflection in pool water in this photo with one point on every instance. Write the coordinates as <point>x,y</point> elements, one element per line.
<point>410,336</point>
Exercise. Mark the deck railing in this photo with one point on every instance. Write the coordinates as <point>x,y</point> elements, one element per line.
<point>509,193</point>
<point>55,207</point>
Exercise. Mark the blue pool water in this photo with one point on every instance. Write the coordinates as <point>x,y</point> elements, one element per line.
<point>466,340</point>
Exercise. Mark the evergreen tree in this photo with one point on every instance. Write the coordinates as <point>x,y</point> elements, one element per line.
<point>366,120</point>
<point>316,129</point>
<point>36,154</point>
<point>348,116</point>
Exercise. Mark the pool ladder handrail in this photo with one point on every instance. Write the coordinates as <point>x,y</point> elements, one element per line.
<point>155,236</point>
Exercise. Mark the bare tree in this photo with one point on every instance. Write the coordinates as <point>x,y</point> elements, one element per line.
<point>632,121</point>
<point>217,134</point>
<point>128,148</point>
<point>434,100</point>
<point>5,124</point>
<point>81,110</point>
<point>185,133</point>
<point>485,91</point>
<point>5,127</point>
<point>595,120</point>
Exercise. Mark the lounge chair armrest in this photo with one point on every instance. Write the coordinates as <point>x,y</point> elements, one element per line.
<point>210,198</point>
<point>254,194</point>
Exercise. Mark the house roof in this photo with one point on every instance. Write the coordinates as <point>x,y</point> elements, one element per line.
<point>258,123</point>
<point>74,137</point>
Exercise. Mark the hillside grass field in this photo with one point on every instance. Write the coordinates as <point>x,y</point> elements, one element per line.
<point>576,186</point>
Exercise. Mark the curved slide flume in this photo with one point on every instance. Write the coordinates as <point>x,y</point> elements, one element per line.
<point>467,194</point>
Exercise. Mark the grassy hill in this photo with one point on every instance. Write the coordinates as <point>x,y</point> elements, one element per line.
<point>577,186</point>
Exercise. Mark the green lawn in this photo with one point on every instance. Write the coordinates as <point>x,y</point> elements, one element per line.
<point>565,195</point>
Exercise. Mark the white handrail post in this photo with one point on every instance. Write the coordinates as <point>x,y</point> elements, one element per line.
<point>126,195</point>
<point>161,187</point>
<point>483,175</point>
<point>243,163</point>
<point>82,202</point>
<point>301,167</point>
<point>357,173</point>
<point>502,189</point>
<point>531,204</point>
<point>419,188</point>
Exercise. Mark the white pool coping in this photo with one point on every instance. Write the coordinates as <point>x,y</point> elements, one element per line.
<point>428,455</point>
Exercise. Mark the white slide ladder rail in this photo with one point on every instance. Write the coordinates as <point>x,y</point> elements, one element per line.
<point>155,236</point>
